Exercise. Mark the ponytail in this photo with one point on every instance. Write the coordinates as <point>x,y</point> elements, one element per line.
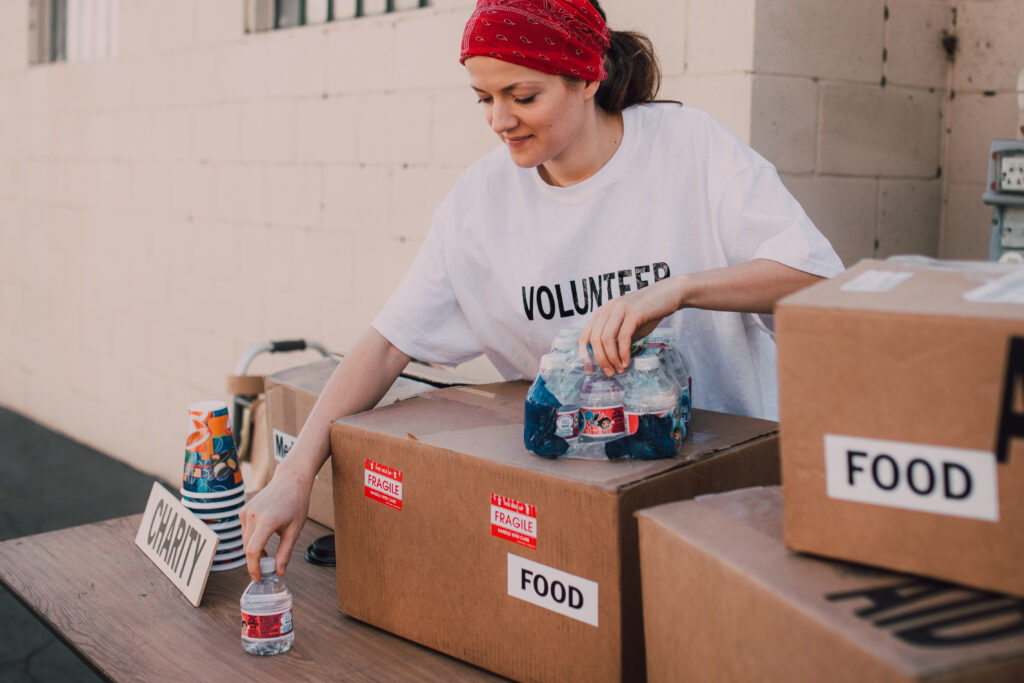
<point>634,75</point>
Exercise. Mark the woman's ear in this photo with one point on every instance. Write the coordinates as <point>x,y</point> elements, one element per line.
<point>590,89</point>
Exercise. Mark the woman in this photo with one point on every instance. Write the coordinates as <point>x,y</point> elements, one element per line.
<point>599,206</point>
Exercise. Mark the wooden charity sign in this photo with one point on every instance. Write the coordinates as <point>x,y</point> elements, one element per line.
<point>177,542</point>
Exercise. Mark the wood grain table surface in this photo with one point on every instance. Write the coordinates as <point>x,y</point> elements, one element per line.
<point>96,590</point>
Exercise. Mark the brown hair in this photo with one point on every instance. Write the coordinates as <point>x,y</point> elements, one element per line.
<point>634,75</point>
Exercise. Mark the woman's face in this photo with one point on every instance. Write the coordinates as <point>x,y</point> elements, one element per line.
<point>540,117</point>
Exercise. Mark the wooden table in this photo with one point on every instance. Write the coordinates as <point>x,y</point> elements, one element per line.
<point>96,590</point>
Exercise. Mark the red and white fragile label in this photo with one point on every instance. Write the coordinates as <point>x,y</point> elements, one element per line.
<point>383,484</point>
<point>514,521</point>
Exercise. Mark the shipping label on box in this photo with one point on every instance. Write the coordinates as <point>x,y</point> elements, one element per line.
<point>902,404</point>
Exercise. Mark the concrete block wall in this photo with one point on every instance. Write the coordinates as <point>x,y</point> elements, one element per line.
<point>848,103</point>
<point>207,190</point>
<point>983,106</point>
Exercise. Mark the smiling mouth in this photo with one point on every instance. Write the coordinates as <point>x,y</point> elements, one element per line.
<point>517,140</point>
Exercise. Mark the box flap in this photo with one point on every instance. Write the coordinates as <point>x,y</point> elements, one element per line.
<point>487,422</point>
<point>886,614</point>
<point>926,287</point>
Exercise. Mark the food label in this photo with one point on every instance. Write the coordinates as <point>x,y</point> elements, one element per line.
<point>514,521</point>
<point>567,423</point>
<point>604,422</point>
<point>283,443</point>
<point>265,626</point>
<point>383,484</point>
<point>555,590</point>
<point>913,476</point>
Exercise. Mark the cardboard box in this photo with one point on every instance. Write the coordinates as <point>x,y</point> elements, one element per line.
<point>724,600</point>
<point>901,406</point>
<point>451,534</point>
<point>290,396</point>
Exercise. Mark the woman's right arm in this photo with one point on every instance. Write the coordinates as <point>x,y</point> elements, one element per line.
<point>357,384</point>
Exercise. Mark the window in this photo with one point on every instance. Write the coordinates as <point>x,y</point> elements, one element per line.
<point>72,30</point>
<point>267,15</point>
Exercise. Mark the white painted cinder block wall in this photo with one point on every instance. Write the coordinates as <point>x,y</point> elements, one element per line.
<point>207,190</point>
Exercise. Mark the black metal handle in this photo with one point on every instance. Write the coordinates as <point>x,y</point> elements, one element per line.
<point>289,345</point>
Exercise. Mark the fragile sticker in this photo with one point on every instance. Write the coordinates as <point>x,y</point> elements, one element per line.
<point>514,521</point>
<point>569,595</point>
<point>938,479</point>
<point>383,484</point>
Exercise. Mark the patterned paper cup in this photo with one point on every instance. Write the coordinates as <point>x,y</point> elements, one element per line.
<point>228,555</point>
<point>232,545</point>
<point>230,534</point>
<point>217,523</point>
<point>218,516</point>
<point>211,462</point>
<point>229,564</point>
<point>213,504</point>
<point>211,495</point>
<point>226,525</point>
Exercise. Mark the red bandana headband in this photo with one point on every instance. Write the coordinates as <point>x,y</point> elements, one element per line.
<point>561,37</point>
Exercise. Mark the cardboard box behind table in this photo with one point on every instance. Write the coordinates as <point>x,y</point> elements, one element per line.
<point>724,600</point>
<point>892,403</point>
<point>451,534</point>
<point>290,396</point>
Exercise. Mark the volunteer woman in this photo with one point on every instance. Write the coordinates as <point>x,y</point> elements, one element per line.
<point>599,207</point>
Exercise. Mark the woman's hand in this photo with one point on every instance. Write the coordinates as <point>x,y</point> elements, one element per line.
<point>281,508</point>
<point>751,287</point>
<point>615,325</point>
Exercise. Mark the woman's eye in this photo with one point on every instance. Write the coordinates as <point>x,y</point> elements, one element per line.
<point>484,100</point>
<point>525,100</point>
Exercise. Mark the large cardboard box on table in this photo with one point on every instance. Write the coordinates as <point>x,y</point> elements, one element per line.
<point>724,600</point>
<point>902,407</point>
<point>450,533</point>
<point>290,396</point>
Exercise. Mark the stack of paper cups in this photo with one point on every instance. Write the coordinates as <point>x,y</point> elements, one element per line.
<point>212,486</point>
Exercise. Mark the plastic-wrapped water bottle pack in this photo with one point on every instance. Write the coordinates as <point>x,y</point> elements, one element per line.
<point>642,413</point>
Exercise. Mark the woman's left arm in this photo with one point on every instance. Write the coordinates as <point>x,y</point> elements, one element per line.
<point>751,287</point>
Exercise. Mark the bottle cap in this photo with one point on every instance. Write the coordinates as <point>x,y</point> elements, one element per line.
<point>268,565</point>
<point>646,362</point>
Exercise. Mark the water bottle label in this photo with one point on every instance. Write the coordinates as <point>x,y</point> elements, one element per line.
<point>684,405</point>
<point>633,420</point>
<point>604,422</point>
<point>266,626</point>
<point>567,423</point>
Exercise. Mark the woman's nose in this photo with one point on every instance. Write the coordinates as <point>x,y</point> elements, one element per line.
<point>502,118</point>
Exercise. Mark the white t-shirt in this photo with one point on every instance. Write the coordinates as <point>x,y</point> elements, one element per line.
<point>510,260</point>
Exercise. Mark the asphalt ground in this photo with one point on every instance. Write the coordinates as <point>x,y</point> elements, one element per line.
<point>49,482</point>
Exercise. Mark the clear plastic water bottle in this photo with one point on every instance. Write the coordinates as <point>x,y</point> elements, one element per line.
<point>650,406</point>
<point>267,613</point>
<point>601,408</point>
<point>567,343</point>
<point>662,343</point>
<point>551,424</point>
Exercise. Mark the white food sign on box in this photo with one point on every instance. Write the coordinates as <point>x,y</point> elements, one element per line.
<point>177,542</point>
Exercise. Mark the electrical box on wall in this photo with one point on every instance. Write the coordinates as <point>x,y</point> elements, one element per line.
<point>1004,191</point>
